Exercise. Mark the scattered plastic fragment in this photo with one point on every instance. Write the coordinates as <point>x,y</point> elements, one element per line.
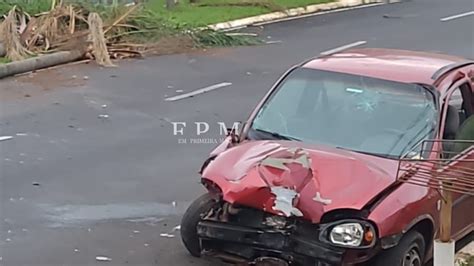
<point>104,106</point>
<point>3,138</point>
<point>167,235</point>
<point>176,228</point>
<point>104,116</point>
<point>102,258</point>
<point>170,234</point>
<point>174,204</point>
<point>86,77</point>
<point>21,134</point>
<point>136,232</point>
<point>146,245</point>
<point>36,184</point>
<point>179,91</point>
<point>76,250</point>
<point>8,240</point>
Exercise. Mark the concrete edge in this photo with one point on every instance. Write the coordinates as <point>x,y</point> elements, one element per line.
<point>294,12</point>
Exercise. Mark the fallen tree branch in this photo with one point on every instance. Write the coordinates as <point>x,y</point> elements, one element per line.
<point>11,37</point>
<point>121,18</point>
<point>39,62</point>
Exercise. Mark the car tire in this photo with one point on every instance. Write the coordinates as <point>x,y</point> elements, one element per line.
<point>410,251</point>
<point>190,220</point>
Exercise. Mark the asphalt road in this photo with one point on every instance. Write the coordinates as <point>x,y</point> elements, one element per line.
<point>76,184</point>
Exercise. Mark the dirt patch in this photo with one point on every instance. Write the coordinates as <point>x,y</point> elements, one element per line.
<point>51,79</point>
<point>172,45</point>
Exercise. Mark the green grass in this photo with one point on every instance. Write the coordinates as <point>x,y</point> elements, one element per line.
<point>30,6</point>
<point>189,14</point>
<point>468,262</point>
<point>153,21</point>
<point>4,60</point>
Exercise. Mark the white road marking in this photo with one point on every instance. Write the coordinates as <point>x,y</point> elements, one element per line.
<point>315,14</point>
<point>196,92</point>
<point>470,13</point>
<point>273,42</point>
<point>344,47</point>
<point>2,138</point>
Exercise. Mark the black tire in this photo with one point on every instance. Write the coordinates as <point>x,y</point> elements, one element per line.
<point>189,223</point>
<point>409,252</point>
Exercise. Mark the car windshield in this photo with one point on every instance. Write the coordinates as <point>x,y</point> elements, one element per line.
<point>346,111</point>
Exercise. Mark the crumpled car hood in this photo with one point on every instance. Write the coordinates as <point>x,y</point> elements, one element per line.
<point>295,179</point>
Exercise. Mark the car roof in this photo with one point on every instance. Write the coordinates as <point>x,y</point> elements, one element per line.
<point>389,64</point>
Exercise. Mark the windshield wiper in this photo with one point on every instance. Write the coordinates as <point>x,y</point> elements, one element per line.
<point>388,156</point>
<point>275,135</point>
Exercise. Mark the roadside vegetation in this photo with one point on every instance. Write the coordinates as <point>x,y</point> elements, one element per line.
<point>205,12</point>
<point>34,27</point>
<point>189,12</point>
<point>465,260</point>
<point>102,32</point>
<point>4,60</point>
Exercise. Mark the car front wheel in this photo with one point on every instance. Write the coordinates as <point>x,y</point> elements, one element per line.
<point>190,220</point>
<point>409,252</point>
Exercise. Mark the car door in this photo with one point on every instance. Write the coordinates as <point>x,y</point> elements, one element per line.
<point>458,114</point>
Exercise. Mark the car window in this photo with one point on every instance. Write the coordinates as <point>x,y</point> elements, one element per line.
<point>348,111</point>
<point>459,120</point>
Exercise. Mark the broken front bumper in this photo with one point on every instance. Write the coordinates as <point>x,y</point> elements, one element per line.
<point>248,244</point>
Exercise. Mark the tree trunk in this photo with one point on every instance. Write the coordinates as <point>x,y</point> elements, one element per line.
<point>39,62</point>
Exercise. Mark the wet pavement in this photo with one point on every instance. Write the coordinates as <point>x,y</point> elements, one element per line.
<point>93,168</point>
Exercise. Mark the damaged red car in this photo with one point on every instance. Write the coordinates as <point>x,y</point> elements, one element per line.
<point>312,178</point>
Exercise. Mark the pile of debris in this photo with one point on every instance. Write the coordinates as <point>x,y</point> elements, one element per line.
<point>69,32</point>
<point>66,28</point>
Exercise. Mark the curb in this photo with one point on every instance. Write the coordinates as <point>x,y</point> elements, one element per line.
<point>294,13</point>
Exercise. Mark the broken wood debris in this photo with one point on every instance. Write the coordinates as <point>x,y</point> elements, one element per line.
<point>67,28</point>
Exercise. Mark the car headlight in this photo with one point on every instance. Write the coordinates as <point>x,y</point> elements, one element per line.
<point>352,234</point>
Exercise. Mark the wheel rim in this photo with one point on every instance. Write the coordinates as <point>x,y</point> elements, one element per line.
<point>412,258</point>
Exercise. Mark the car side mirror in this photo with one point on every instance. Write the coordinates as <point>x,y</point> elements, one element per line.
<point>235,132</point>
